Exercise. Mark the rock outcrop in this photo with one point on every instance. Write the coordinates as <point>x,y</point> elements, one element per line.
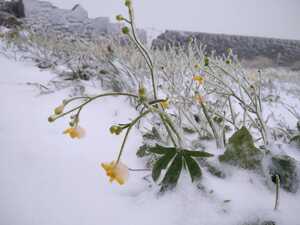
<point>14,7</point>
<point>10,12</point>
<point>253,51</point>
<point>42,15</point>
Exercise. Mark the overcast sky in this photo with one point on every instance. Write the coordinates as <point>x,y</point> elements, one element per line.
<point>270,18</point>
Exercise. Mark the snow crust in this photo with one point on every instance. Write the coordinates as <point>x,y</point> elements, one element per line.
<point>48,179</point>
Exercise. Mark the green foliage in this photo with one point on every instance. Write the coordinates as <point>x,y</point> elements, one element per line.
<point>193,167</point>
<point>162,163</point>
<point>143,151</point>
<point>176,158</point>
<point>153,135</point>
<point>296,140</point>
<point>241,151</point>
<point>200,154</point>
<point>173,173</point>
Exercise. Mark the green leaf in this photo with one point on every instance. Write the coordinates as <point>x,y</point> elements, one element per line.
<point>161,164</point>
<point>161,150</point>
<point>197,153</point>
<point>295,138</point>
<point>193,167</point>
<point>143,151</point>
<point>153,135</point>
<point>173,173</point>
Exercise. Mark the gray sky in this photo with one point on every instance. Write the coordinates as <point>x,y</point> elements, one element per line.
<point>270,18</point>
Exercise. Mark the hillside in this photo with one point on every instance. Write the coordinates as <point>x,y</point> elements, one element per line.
<point>254,51</point>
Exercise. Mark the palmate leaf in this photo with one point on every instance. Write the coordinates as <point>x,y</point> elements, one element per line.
<point>173,173</point>
<point>161,150</point>
<point>177,158</point>
<point>193,167</point>
<point>162,163</point>
<point>200,154</point>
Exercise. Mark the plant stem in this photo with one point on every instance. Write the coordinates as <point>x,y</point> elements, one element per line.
<point>90,99</point>
<point>277,179</point>
<point>143,50</point>
<point>211,124</point>
<point>127,133</point>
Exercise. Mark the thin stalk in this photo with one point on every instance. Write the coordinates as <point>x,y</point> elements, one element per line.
<point>232,113</point>
<point>127,133</point>
<point>143,51</point>
<point>168,131</point>
<point>277,179</point>
<point>94,98</point>
<point>191,122</point>
<point>211,124</point>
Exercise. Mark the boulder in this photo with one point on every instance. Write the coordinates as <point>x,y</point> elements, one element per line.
<point>286,167</point>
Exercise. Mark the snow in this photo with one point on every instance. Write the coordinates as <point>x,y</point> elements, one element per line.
<point>47,178</point>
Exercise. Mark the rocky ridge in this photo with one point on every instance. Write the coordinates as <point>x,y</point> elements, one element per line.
<point>253,51</point>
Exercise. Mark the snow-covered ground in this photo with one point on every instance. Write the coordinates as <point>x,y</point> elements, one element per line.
<point>47,178</point>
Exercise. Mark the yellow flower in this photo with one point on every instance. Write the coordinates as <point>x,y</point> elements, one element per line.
<point>117,172</point>
<point>75,132</point>
<point>165,104</point>
<point>199,79</point>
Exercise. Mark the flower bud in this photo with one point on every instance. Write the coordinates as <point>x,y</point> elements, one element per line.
<point>206,61</point>
<point>115,129</point>
<point>119,18</point>
<point>197,66</point>
<point>128,3</point>
<point>125,30</point>
<point>51,118</point>
<point>72,123</point>
<point>59,110</point>
<point>142,92</point>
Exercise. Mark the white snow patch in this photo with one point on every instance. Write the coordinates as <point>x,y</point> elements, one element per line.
<point>48,179</point>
